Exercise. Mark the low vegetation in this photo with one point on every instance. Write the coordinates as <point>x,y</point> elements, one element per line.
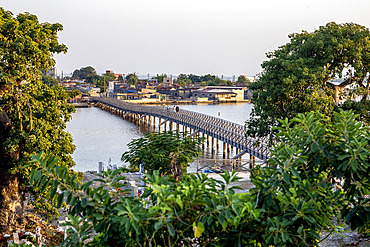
<point>292,203</point>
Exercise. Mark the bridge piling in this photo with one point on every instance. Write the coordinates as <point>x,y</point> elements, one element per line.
<point>231,134</point>
<point>212,145</point>
<point>224,150</point>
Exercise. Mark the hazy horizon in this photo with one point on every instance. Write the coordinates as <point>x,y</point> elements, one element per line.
<point>172,37</point>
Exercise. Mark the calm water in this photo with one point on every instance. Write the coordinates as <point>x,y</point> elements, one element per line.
<point>100,136</point>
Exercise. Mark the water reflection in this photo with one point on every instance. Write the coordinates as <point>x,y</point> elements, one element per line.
<point>100,136</point>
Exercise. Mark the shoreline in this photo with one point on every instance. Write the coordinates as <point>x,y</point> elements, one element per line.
<point>185,102</point>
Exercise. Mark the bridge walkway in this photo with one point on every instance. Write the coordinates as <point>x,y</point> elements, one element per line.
<point>228,132</point>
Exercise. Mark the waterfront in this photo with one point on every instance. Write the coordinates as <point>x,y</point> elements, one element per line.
<point>100,136</point>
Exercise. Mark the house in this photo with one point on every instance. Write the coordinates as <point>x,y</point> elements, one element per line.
<point>220,93</point>
<point>167,80</point>
<point>215,94</point>
<point>186,92</point>
<point>115,75</point>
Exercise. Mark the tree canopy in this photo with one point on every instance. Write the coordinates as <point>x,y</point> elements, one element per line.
<point>293,200</point>
<point>167,152</point>
<point>204,80</point>
<point>50,81</point>
<point>132,79</point>
<point>160,77</point>
<point>314,71</point>
<point>243,80</point>
<point>32,115</point>
<point>84,73</point>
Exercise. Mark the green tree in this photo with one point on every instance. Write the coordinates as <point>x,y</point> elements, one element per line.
<point>184,82</point>
<point>229,83</point>
<point>243,80</point>
<point>84,73</point>
<point>109,77</point>
<point>100,81</point>
<point>132,79</point>
<point>207,77</point>
<point>32,115</point>
<point>296,194</point>
<point>194,78</point>
<point>74,93</point>
<point>50,81</point>
<point>310,73</point>
<point>160,77</point>
<point>292,203</point>
<point>180,213</point>
<point>166,152</point>
<point>93,79</point>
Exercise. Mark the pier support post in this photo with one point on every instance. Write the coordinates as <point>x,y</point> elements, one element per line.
<point>236,153</point>
<point>203,136</point>
<point>212,145</point>
<point>253,161</point>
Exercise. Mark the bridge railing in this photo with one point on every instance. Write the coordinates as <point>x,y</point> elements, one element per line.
<point>232,133</point>
<point>217,165</point>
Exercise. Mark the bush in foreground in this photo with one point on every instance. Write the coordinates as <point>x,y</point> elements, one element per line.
<point>292,203</point>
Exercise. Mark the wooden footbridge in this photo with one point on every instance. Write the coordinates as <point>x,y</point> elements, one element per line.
<point>214,128</point>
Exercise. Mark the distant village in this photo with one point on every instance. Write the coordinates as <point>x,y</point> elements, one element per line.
<point>160,89</point>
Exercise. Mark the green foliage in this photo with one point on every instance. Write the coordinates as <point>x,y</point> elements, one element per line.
<point>296,194</point>
<point>199,210</point>
<point>256,171</point>
<point>34,115</point>
<point>159,77</point>
<point>229,83</point>
<point>79,230</point>
<point>26,47</point>
<point>39,115</point>
<point>50,81</point>
<point>74,93</point>
<point>100,81</point>
<point>166,152</point>
<point>292,203</point>
<point>204,80</point>
<point>184,82</point>
<point>364,230</point>
<point>310,73</point>
<point>84,73</point>
<point>243,80</point>
<point>132,79</point>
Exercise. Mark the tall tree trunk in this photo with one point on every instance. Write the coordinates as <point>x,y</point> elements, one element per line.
<point>339,89</point>
<point>11,201</point>
<point>336,95</point>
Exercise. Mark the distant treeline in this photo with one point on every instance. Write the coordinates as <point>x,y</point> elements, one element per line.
<point>89,75</point>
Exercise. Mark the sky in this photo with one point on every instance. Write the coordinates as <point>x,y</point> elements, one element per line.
<point>220,37</point>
